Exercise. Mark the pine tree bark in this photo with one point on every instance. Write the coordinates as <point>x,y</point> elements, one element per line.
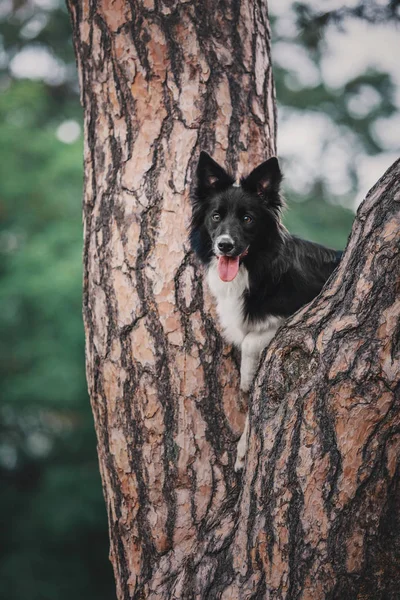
<point>319,512</point>
<point>314,515</point>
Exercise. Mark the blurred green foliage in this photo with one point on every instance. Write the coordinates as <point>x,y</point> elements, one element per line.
<point>54,542</point>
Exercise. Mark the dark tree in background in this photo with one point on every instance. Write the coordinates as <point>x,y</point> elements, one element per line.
<point>312,516</point>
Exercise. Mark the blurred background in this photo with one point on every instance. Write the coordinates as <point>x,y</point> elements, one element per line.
<point>338,90</point>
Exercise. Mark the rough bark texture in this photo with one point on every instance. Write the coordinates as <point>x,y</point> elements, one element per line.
<point>319,512</point>
<point>161,81</point>
<point>316,513</point>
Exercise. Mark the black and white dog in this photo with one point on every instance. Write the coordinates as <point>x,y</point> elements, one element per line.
<point>258,272</point>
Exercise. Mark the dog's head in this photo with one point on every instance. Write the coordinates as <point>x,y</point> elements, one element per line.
<point>231,221</point>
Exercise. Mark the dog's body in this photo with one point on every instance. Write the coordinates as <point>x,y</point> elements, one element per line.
<point>258,272</point>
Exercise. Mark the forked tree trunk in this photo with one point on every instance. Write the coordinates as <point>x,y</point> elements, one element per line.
<point>319,516</point>
<point>315,514</point>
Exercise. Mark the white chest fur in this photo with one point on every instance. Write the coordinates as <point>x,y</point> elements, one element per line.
<point>229,297</point>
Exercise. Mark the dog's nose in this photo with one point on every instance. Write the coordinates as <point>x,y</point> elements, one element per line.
<point>225,246</point>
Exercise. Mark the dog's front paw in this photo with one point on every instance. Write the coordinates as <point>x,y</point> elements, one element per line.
<point>239,464</point>
<point>245,384</point>
<point>242,447</point>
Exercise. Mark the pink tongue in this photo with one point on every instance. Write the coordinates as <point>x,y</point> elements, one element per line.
<point>228,267</point>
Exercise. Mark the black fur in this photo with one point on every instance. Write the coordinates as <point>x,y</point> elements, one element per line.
<point>285,272</point>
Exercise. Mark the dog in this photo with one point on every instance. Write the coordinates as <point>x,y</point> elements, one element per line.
<point>257,271</point>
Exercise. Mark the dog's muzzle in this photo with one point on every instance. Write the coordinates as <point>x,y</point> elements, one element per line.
<point>224,245</point>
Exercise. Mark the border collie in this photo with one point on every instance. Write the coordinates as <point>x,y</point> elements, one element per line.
<point>258,272</point>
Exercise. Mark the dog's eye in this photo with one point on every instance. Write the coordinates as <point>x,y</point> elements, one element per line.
<point>247,219</point>
<point>216,217</point>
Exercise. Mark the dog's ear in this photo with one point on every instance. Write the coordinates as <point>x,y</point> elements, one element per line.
<point>211,177</point>
<point>264,180</point>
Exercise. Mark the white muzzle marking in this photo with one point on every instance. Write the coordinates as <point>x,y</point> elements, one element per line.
<point>224,238</point>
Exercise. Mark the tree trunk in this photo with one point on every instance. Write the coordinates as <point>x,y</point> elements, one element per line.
<point>314,515</point>
<point>319,515</point>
